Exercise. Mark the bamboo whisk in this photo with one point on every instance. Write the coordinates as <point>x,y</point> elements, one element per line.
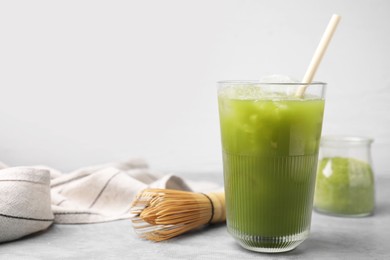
<point>161,214</point>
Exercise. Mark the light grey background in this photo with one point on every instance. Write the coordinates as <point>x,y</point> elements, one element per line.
<point>85,82</point>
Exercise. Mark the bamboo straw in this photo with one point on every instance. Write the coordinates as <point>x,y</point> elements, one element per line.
<point>318,54</point>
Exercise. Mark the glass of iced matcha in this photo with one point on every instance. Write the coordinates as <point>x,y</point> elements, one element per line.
<point>270,142</point>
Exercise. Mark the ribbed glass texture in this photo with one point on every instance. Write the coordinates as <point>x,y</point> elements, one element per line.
<point>269,200</point>
<point>270,140</point>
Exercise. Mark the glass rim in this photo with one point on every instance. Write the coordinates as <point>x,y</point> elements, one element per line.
<point>344,139</point>
<point>258,82</point>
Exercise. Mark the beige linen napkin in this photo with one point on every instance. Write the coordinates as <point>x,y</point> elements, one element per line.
<point>32,198</point>
<point>24,202</point>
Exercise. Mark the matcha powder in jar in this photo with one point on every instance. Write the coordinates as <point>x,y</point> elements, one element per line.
<point>345,179</point>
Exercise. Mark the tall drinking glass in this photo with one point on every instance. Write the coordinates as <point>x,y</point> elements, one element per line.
<point>270,142</point>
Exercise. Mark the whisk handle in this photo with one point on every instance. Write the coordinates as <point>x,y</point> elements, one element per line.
<point>218,200</point>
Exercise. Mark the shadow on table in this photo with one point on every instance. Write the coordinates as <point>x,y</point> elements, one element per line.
<point>204,231</point>
<point>308,248</point>
<point>26,238</point>
<point>322,246</point>
<point>382,209</point>
<point>315,245</point>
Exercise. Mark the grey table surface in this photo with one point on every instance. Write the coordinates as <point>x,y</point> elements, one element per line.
<point>330,238</point>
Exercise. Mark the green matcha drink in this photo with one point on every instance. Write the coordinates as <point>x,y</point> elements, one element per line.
<point>270,142</point>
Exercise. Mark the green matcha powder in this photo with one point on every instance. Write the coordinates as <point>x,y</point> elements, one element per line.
<point>345,186</point>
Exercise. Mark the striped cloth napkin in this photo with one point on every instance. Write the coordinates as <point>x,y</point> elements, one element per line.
<point>33,198</point>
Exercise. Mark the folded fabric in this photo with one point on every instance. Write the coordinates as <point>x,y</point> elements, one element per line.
<point>24,202</point>
<point>32,198</point>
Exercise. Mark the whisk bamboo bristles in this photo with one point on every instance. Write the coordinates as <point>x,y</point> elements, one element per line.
<point>161,214</point>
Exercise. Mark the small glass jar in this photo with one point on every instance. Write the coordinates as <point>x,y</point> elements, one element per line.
<point>345,179</point>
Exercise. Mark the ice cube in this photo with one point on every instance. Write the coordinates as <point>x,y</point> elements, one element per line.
<point>275,87</point>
